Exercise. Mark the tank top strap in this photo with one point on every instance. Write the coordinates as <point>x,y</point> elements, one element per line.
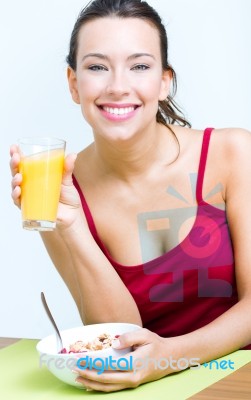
<point>86,210</point>
<point>202,164</point>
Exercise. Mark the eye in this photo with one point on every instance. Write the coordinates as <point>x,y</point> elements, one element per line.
<point>140,67</point>
<point>97,67</point>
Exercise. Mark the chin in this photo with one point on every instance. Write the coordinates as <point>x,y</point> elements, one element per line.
<point>118,136</point>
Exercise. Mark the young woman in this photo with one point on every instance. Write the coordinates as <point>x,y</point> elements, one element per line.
<point>134,242</point>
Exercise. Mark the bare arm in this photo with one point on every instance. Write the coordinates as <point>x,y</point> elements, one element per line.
<point>232,330</point>
<point>95,286</point>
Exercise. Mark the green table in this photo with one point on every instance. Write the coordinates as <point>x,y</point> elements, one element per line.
<point>22,379</point>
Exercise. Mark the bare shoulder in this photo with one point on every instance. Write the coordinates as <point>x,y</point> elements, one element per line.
<point>233,146</point>
<point>226,144</point>
<point>230,137</point>
<point>229,157</point>
<point>233,142</point>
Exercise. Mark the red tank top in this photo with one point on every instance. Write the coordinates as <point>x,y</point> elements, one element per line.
<point>193,283</point>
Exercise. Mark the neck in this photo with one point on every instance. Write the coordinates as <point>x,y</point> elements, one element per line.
<point>134,157</point>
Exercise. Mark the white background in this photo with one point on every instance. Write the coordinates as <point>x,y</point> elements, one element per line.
<point>209,44</point>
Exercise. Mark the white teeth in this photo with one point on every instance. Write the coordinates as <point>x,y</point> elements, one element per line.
<point>118,111</point>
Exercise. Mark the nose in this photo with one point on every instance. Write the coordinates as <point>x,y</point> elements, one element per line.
<point>118,84</point>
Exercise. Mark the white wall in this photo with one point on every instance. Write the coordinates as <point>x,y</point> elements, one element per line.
<point>209,49</point>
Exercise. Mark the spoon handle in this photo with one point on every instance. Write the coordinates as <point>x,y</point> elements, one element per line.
<point>48,312</point>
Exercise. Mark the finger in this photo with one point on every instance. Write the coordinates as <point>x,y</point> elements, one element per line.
<point>101,387</point>
<point>105,376</point>
<point>133,339</point>
<point>68,169</point>
<point>108,381</point>
<point>121,364</point>
<point>14,149</point>
<point>14,163</point>
<point>16,181</point>
<point>16,196</point>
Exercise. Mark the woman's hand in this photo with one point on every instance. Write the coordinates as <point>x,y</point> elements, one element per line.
<point>69,208</point>
<point>148,347</point>
<point>16,176</point>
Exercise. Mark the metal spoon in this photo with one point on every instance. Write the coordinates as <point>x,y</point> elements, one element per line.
<point>60,346</point>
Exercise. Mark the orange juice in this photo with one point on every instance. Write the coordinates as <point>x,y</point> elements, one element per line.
<point>40,189</point>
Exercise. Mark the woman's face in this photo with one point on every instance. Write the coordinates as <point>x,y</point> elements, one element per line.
<point>119,79</point>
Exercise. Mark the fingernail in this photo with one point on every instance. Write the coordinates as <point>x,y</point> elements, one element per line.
<point>78,382</point>
<point>116,343</point>
<point>75,372</point>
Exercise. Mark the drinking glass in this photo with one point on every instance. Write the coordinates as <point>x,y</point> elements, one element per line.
<point>41,166</point>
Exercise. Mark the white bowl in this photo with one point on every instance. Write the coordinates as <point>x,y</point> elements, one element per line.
<point>61,365</point>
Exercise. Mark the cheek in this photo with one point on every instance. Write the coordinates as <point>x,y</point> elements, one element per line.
<point>150,89</point>
<point>88,89</point>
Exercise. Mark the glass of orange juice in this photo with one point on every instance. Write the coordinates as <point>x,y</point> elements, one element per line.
<point>41,166</point>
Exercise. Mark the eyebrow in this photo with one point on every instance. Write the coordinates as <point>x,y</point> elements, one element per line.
<point>104,57</point>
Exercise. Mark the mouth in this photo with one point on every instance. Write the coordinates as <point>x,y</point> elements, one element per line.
<point>119,109</point>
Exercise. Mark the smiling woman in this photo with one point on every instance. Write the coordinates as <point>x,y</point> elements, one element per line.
<point>136,11</point>
<point>142,233</point>
<point>125,71</point>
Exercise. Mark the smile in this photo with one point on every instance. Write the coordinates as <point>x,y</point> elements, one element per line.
<point>114,112</point>
<point>119,111</point>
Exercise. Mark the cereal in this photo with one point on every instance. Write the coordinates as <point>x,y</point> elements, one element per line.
<point>103,341</point>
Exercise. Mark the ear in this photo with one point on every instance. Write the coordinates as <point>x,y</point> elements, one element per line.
<point>165,84</point>
<point>72,81</point>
